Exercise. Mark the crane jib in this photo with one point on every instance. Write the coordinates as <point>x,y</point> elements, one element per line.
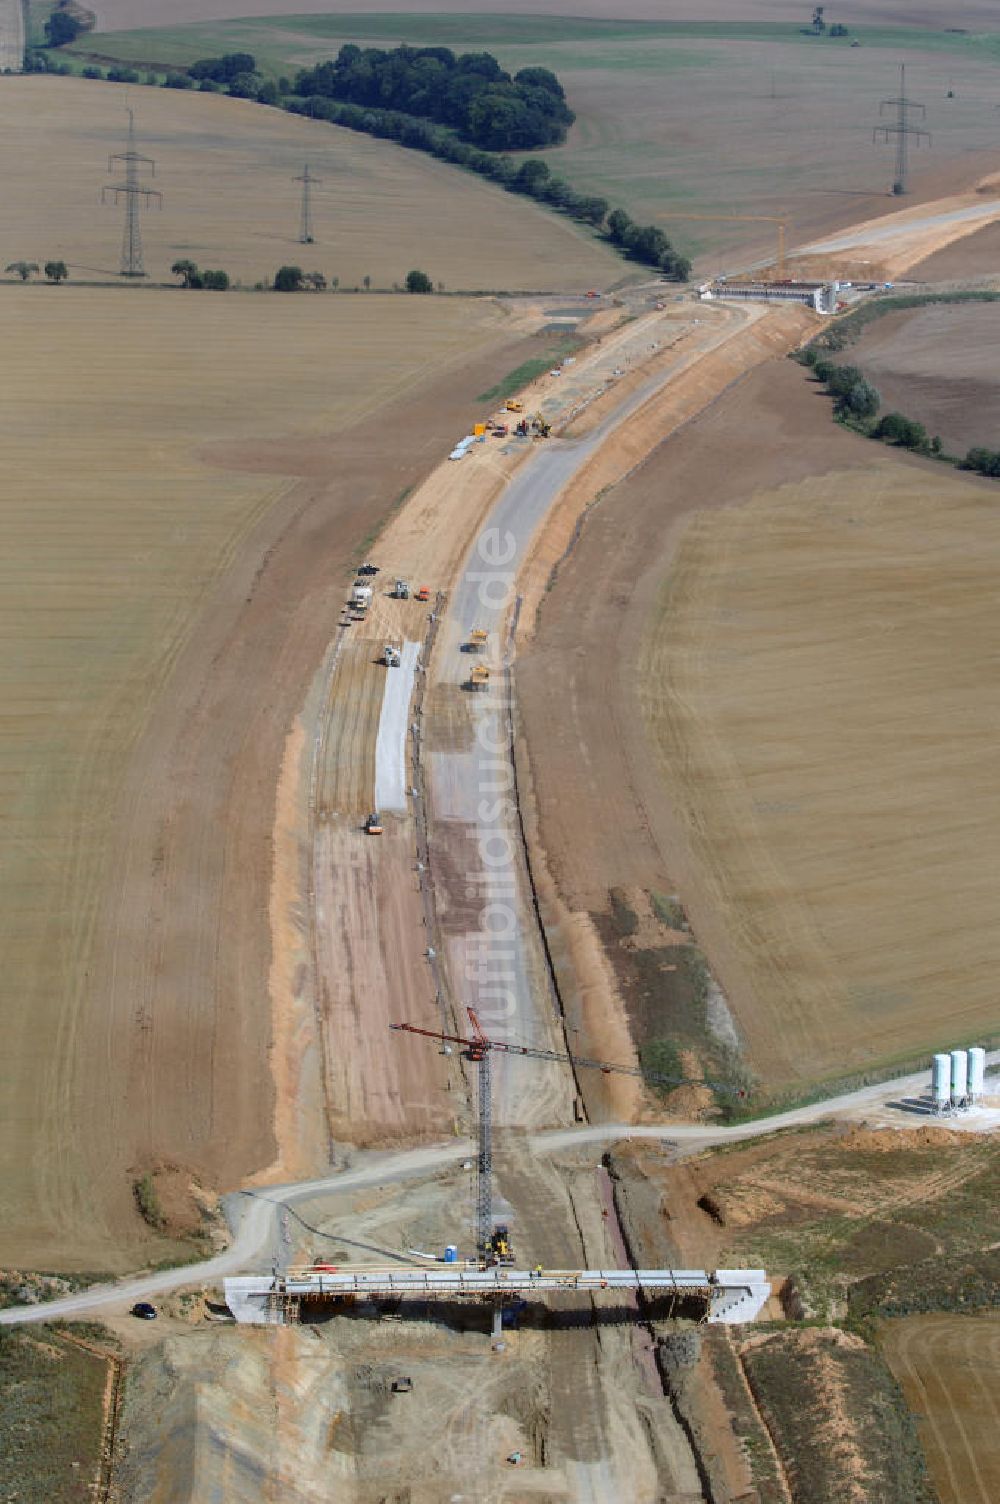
<point>478,1045</point>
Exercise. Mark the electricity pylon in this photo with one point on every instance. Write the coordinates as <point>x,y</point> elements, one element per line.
<point>902,130</point>
<point>306,236</point>
<point>132,190</point>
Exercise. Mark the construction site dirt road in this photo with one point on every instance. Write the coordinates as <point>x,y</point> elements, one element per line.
<point>256,1214</point>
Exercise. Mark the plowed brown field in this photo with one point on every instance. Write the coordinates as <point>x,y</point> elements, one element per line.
<point>938,365</point>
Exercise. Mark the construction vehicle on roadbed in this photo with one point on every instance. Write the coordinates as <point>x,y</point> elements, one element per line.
<point>392,655</point>
<point>373,825</point>
<point>478,639</point>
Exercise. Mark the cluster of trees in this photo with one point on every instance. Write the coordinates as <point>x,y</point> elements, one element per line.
<point>648,244</point>
<point>819,26</point>
<point>470,94</point>
<point>192,276</point>
<point>294,279</point>
<point>55,271</point>
<point>983,461</point>
<point>854,395</point>
<point>894,428</point>
<point>857,402</point>
<point>61,28</point>
<point>234,72</point>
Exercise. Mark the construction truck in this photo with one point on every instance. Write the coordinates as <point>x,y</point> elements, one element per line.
<point>500,1250</point>
<point>480,677</point>
<point>522,428</point>
<point>478,640</point>
<point>361,597</point>
<point>391,655</point>
<point>401,590</point>
<point>423,594</point>
<point>373,825</point>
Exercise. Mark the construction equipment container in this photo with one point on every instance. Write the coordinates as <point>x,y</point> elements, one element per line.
<point>959,1077</point>
<point>941,1081</point>
<point>977,1073</point>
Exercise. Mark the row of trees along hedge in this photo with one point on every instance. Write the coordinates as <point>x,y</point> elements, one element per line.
<point>472,94</point>
<point>645,243</point>
<point>472,78</point>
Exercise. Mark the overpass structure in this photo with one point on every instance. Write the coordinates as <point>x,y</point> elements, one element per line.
<point>726,1296</point>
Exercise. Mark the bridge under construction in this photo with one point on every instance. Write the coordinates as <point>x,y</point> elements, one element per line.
<point>725,1296</point>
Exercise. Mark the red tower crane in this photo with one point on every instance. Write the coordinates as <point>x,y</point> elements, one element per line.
<point>479,1048</point>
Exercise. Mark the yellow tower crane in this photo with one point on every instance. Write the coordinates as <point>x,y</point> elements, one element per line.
<point>749,219</point>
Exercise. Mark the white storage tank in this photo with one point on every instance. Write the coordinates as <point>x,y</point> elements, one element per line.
<point>959,1077</point>
<point>941,1081</point>
<point>977,1073</point>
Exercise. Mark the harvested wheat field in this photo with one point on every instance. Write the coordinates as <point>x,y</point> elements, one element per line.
<point>227,170</point>
<point>949,1367</point>
<point>187,477</point>
<point>802,631</point>
<point>818,680</point>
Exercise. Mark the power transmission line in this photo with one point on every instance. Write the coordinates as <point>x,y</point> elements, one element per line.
<point>132,190</point>
<point>903,130</point>
<point>306,236</point>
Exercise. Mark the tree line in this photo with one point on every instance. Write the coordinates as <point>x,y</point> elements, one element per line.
<point>534,178</point>
<point>857,403</point>
<point>412,75</point>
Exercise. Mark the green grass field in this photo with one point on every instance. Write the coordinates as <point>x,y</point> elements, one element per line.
<point>51,1393</point>
<point>721,118</point>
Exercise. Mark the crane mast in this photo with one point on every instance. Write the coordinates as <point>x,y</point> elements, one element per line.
<point>479,1049</point>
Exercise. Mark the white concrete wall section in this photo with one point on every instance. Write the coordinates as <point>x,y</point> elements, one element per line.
<point>390,745</point>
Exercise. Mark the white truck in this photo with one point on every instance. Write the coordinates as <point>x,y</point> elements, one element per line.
<point>361,597</point>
